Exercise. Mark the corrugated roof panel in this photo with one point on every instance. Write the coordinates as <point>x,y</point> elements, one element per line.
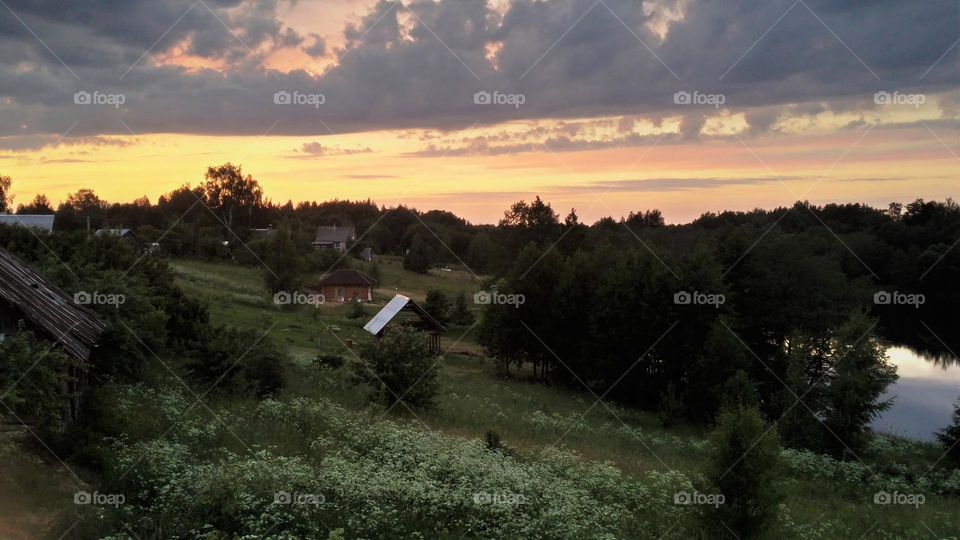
<point>389,311</point>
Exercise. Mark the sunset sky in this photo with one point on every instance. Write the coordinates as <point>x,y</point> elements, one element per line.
<point>138,97</point>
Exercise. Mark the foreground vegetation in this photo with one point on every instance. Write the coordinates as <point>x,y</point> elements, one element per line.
<point>495,458</point>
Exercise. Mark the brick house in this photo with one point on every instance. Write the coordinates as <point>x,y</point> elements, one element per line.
<point>344,285</point>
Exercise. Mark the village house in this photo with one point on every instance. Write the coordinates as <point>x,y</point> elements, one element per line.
<point>346,284</point>
<point>50,314</point>
<point>338,237</point>
<point>269,231</point>
<point>40,222</point>
<point>125,235</point>
<point>404,310</point>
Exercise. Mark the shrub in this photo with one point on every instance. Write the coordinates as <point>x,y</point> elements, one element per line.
<point>233,361</point>
<point>670,410</point>
<point>399,367</point>
<point>33,375</point>
<point>356,310</point>
<point>328,361</point>
<point>743,468</point>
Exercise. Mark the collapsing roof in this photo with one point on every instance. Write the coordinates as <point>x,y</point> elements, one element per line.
<point>394,307</point>
<point>48,307</point>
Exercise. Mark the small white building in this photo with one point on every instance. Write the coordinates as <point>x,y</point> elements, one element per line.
<point>43,222</point>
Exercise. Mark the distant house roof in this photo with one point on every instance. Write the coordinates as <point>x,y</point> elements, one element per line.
<point>114,232</point>
<point>35,221</point>
<point>48,307</point>
<point>335,233</point>
<point>393,308</point>
<point>348,277</point>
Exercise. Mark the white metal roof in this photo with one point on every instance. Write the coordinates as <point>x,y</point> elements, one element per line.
<point>386,314</point>
<point>43,222</point>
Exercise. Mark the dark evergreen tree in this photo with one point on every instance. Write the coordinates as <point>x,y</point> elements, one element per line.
<point>461,314</point>
<point>438,306</point>
<point>420,257</point>
<point>949,437</point>
<point>744,469</point>
<point>283,265</point>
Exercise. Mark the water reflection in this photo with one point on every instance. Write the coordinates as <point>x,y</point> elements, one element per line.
<point>925,394</point>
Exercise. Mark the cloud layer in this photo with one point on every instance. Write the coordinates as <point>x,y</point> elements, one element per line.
<point>421,64</point>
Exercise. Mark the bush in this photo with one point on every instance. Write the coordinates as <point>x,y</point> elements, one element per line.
<point>743,468</point>
<point>238,362</point>
<point>33,375</point>
<point>670,409</point>
<point>399,367</point>
<point>356,310</point>
<point>328,361</point>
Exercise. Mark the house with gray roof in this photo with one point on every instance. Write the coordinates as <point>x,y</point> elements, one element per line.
<point>338,237</point>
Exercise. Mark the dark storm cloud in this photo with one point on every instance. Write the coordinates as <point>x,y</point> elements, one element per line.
<point>822,53</point>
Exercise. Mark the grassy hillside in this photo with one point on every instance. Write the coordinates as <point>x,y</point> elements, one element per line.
<point>582,469</point>
<point>822,495</point>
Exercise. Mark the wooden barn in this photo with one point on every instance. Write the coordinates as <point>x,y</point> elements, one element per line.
<point>346,285</point>
<point>49,313</point>
<point>403,310</point>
